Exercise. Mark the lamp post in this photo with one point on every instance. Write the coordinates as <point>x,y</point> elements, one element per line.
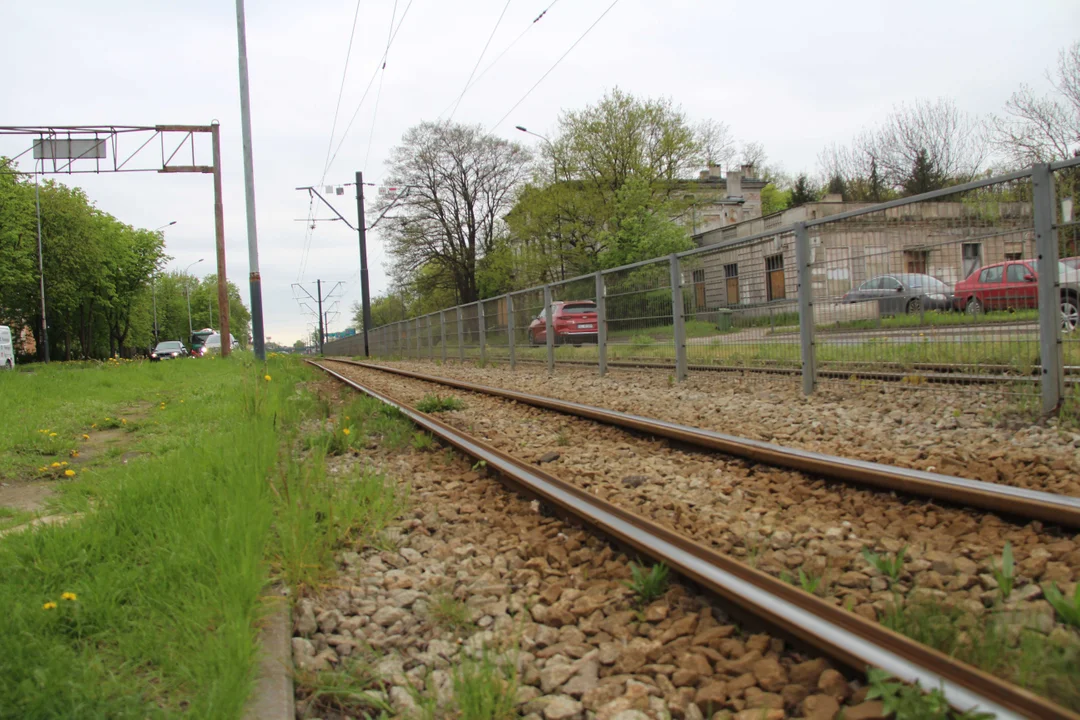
<point>558,210</point>
<point>153,284</point>
<point>187,296</point>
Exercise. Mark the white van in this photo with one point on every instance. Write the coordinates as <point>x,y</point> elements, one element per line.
<point>7,349</point>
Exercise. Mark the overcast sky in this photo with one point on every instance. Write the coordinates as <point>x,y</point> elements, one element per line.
<point>792,75</point>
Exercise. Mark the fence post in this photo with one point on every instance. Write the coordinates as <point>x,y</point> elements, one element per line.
<point>460,337</point>
<point>1046,251</point>
<point>483,332</point>
<point>806,308</point>
<point>677,319</point>
<point>442,334</point>
<point>417,321</point>
<point>510,329</point>
<point>601,323</point>
<point>431,337</point>
<point>549,330</point>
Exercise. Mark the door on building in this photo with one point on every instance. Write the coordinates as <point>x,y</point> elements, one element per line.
<point>699,289</point>
<point>971,258</point>
<point>731,282</point>
<point>774,272</point>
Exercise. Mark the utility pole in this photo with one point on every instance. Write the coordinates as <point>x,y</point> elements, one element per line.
<point>41,271</point>
<point>318,292</point>
<point>219,241</point>
<point>365,294</point>
<point>254,278</point>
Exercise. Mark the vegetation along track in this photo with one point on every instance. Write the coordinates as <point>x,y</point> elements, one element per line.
<point>745,511</point>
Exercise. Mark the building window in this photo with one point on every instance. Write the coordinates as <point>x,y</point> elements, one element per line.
<point>731,282</point>
<point>971,257</point>
<point>1014,256</point>
<point>916,261</point>
<point>1014,251</point>
<point>699,289</point>
<point>774,271</point>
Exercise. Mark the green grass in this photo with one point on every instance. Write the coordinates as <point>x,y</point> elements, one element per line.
<point>931,318</point>
<point>172,553</point>
<point>648,584</point>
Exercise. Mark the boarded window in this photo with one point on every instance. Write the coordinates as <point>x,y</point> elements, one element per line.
<point>699,289</point>
<point>774,271</point>
<point>731,281</point>
<point>915,261</point>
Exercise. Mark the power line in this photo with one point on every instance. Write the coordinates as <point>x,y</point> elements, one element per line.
<point>486,45</point>
<point>561,57</point>
<point>378,95</point>
<point>499,57</point>
<point>381,66</point>
<point>341,90</point>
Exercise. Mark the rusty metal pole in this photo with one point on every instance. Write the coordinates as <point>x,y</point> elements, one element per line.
<point>219,238</point>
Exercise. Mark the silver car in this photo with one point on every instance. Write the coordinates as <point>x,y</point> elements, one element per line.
<point>898,293</point>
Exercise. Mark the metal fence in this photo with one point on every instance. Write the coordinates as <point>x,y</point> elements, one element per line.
<point>943,288</point>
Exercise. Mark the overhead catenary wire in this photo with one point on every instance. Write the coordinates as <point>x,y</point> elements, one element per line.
<point>491,36</point>
<point>378,95</point>
<point>499,57</point>
<point>341,90</point>
<point>556,64</point>
<point>380,66</point>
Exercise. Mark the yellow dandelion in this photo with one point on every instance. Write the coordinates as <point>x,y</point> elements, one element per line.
<point>69,596</point>
<point>52,434</point>
<point>181,401</point>
<point>266,378</point>
<point>69,473</point>
<point>346,431</point>
<point>49,606</point>
<point>64,463</point>
<point>346,417</point>
<point>74,453</point>
<point>42,469</point>
<point>108,419</point>
<point>85,436</point>
<point>92,427</point>
<point>55,465</point>
<point>123,421</point>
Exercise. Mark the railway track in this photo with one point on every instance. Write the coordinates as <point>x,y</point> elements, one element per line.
<point>1004,499</point>
<point>844,636</point>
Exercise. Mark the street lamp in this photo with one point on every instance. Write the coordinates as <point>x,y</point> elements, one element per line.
<point>187,296</point>
<point>153,284</point>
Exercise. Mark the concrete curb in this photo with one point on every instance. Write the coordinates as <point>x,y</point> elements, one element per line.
<point>273,696</point>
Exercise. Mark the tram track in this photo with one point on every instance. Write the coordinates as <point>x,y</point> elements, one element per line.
<point>845,636</point>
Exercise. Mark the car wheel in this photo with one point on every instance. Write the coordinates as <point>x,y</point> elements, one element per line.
<point>1070,313</point>
<point>914,306</point>
<point>974,307</point>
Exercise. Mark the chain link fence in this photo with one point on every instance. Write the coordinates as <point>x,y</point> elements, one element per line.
<point>942,289</point>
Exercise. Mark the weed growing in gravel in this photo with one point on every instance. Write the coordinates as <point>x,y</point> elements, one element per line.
<point>1068,610</point>
<point>485,689</point>
<point>1005,574</point>
<point>810,583</point>
<point>437,404</point>
<point>562,438</point>
<point>648,585</point>
<point>892,567</point>
<point>1046,665</point>
<point>449,613</point>
<point>910,701</point>
<point>348,690</point>
<point>422,441</point>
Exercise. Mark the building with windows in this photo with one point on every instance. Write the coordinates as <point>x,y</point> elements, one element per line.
<point>716,199</point>
<point>751,269</point>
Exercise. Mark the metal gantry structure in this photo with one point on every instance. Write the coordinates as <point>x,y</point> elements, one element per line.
<point>97,149</point>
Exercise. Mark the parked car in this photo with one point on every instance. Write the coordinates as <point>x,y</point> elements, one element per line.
<point>903,293</point>
<point>1072,262</point>
<point>7,349</point>
<point>575,322</point>
<point>198,339</point>
<point>1015,285</point>
<point>168,350</point>
<point>213,345</point>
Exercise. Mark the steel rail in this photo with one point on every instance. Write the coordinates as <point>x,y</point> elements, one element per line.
<point>1032,504</point>
<point>844,636</point>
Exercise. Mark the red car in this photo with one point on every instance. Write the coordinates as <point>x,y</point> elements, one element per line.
<point>1014,285</point>
<point>575,322</point>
